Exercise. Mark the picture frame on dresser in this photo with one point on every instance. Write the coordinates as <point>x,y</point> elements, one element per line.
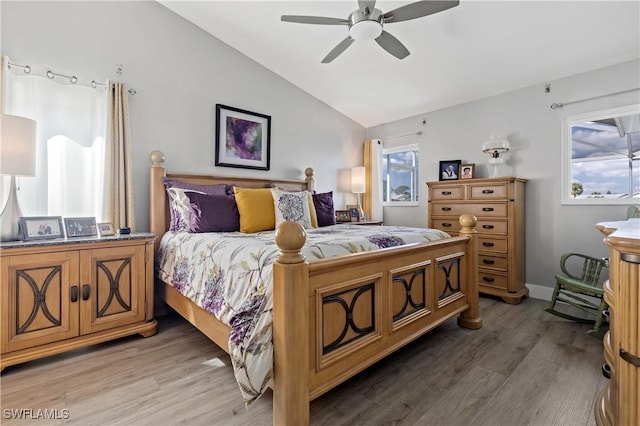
<point>467,171</point>
<point>80,227</point>
<point>243,138</point>
<point>449,170</point>
<point>105,229</point>
<point>41,228</point>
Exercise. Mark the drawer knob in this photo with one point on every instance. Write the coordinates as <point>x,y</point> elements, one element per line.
<point>74,293</point>
<point>446,209</point>
<point>488,279</point>
<point>487,226</point>
<point>487,191</point>
<point>446,225</point>
<point>446,192</point>
<point>488,261</point>
<point>86,291</point>
<point>487,209</point>
<point>487,244</point>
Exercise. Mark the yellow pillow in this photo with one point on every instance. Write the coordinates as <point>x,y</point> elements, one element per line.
<point>256,209</point>
<point>312,212</point>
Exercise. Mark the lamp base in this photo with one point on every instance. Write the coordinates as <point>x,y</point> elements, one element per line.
<point>10,216</point>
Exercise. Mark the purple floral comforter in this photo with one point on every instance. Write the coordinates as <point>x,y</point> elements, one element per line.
<point>229,275</point>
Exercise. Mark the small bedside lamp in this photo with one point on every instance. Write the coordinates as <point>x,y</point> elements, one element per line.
<point>358,186</point>
<point>495,148</point>
<point>17,158</point>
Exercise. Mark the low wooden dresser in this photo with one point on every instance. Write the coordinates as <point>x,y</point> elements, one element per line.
<point>619,401</point>
<point>59,295</point>
<point>498,203</point>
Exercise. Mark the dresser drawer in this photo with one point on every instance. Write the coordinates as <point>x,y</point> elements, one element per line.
<point>454,192</point>
<point>489,192</point>
<point>447,225</point>
<point>492,261</point>
<point>492,244</point>
<point>492,279</point>
<point>494,227</point>
<point>479,210</point>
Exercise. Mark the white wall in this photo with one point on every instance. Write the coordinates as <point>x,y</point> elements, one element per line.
<point>180,73</point>
<point>525,118</point>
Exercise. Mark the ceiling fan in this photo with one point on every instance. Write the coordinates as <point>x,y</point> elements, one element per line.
<point>366,23</point>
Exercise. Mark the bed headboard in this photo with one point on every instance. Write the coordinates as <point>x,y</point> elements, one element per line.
<point>159,206</point>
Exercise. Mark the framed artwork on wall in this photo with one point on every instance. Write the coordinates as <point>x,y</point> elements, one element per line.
<point>80,226</point>
<point>243,138</point>
<point>41,228</point>
<point>467,171</point>
<point>449,170</point>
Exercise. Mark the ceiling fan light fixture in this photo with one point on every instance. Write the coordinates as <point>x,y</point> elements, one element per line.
<point>365,30</point>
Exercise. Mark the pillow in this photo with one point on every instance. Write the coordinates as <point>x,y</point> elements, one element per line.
<point>256,209</point>
<point>216,189</point>
<point>324,208</point>
<point>180,208</point>
<point>213,213</point>
<point>312,210</point>
<point>292,206</point>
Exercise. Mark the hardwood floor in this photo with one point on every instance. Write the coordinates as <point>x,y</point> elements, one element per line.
<point>524,367</point>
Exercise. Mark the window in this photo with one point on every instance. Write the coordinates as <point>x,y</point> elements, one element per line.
<point>601,157</point>
<point>400,176</point>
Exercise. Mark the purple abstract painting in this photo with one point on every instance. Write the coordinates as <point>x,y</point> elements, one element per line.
<point>244,139</point>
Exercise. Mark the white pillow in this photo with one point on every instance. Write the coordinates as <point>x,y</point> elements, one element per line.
<point>292,206</point>
<point>180,208</point>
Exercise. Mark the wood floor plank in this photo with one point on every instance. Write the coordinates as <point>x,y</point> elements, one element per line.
<point>524,367</point>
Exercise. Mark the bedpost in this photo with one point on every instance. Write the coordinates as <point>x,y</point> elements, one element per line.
<point>290,328</point>
<point>470,318</point>
<point>158,197</point>
<point>311,182</point>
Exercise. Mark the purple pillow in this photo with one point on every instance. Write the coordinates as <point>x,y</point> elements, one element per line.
<point>324,208</point>
<point>216,189</point>
<point>213,213</point>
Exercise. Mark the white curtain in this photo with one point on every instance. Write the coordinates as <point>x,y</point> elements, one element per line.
<point>372,200</point>
<point>70,147</point>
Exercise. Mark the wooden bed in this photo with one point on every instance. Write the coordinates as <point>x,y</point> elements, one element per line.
<point>400,293</point>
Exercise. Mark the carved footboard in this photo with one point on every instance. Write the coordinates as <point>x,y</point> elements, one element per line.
<point>348,312</point>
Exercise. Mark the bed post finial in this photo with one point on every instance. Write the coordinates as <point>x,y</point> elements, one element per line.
<point>157,158</point>
<point>311,183</point>
<point>290,238</point>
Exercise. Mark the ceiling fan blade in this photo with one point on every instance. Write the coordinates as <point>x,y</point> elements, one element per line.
<point>392,45</point>
<point>319,20</point>
<point>341,47</point>
<point>417,10</point>
<point>367,4</point>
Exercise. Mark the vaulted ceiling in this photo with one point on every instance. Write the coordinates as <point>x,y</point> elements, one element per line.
<point>476,49</point>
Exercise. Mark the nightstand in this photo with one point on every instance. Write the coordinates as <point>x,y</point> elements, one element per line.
<point>64,294</point>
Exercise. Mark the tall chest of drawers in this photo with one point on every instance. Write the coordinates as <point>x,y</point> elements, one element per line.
<point>498,203</point>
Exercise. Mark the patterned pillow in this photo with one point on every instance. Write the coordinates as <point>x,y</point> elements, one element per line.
<point>292,206</point>
<point>180,208</point>
<point>256,209</point>
<point>324,208</point>
<point>213,213</point>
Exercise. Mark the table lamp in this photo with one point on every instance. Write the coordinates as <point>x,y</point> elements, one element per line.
<point>17,158</point>
<point>358,186</point>
<point>495,148</point>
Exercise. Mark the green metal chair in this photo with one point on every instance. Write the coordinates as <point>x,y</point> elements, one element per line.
<point>572,285</point>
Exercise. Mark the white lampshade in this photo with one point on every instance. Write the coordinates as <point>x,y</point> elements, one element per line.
<point>365,30</point>
<point>17,146</point>
<point>358,180</point>
<point>495,147</point>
